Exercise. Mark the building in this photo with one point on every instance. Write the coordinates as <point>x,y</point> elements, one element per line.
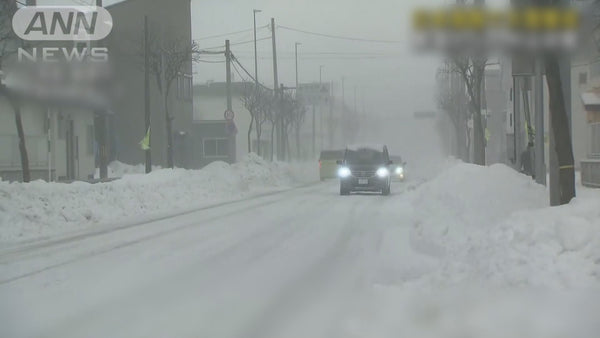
<point>585,103</point>
<point>168,22</point>
<point>59,139</point>
<point>495,99</point>
<point>58,129</point>
<point>210,104</point>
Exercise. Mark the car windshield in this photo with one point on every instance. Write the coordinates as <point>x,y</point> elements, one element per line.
<point>364,156</point>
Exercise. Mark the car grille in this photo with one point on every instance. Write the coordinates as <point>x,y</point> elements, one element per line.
<point>363,174</point>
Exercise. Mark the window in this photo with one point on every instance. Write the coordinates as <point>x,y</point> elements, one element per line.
<point>215,147</point>
<point>184,86</point>
<point>582,78</point>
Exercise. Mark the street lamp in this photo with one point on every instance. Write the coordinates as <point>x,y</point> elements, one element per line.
<point>296,53</point>
<point>321,76</point>
<point>254,11</point>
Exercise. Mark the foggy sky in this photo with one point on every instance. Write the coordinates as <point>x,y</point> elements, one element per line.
<point>397,81</point>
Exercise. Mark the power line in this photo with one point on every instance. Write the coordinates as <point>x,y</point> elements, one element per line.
<point>230,33</point>
<point>238,72</point>
<point>238,43</point>
<point>248,73</point>
<point>210,52</point>
<point>209,61</point>
<point>337,36</point>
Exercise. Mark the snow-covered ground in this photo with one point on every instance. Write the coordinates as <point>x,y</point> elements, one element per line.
<point>40,210</point>
<point>472,252</point>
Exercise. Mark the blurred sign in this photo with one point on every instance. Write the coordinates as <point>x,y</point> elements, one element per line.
<point>313,93</point>
<point>229,115</point>
<point>523,66</point>
<point>230,127</point>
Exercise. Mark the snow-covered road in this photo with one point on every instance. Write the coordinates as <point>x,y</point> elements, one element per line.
<point>425,262</point>
<point>297,263</point>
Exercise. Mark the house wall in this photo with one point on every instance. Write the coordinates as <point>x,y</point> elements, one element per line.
<point>35,125</point>
<point>125,43</point>
<point>579,126</point>
<point>210,103</point>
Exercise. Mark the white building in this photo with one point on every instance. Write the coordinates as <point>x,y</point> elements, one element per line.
<point>60,142</point>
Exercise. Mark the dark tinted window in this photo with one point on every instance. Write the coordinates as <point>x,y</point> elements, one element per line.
<point>364,156</point>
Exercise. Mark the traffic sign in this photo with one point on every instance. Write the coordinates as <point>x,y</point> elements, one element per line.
<point>229,115</point>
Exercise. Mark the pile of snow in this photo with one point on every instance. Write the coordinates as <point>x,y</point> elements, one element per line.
<point>492,225</point>
<point>39,209</point>
<point>466,201</point>
<point>488,258</point>
<point>118,169</point>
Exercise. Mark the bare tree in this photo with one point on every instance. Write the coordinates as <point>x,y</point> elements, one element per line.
<point>293,113</point>
<point>271,115</point>
<point>266,108</point>
<point>451,98</point>
<point>472,70</point>
<point>9,43</point>
<point>250,100</point>
<point>168,58</point>
<point>259,103</point>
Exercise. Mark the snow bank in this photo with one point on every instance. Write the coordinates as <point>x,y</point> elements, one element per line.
<point>40,209</point>
<point>118,169</point>
<point>492,225</point>
<point>466,200</point>
<point>490,259</point>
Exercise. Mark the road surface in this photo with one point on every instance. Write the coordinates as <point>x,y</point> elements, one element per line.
<point>299,263</point>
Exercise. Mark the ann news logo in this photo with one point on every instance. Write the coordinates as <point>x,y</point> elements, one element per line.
<point>62,23</point>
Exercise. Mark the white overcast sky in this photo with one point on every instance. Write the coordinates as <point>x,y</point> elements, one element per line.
<point>396,80</point>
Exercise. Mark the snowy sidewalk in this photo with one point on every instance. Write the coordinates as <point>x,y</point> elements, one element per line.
<point>40,210</point>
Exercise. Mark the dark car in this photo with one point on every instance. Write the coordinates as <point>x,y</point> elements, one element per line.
<point>365,168</point>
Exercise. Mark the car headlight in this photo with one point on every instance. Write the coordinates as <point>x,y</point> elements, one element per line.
<point>399,170</point>
<point>344,172</point>
<point>383,172</point>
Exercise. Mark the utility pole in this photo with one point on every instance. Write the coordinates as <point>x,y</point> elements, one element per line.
<point>296,55</point>
<point>282,142</point>
<point>147,96</point>
<point>277,94</point>
<point>100,129</point>
<point>321,105</point>
<point>314,128</point>
<point>228,73</point>
<point>557,194</point>
<point>330,120</point>
<point>540,162</point>
<point>254,11</point>
<point>343,95</point>
<point>355,99</point>
<point>344,121</point>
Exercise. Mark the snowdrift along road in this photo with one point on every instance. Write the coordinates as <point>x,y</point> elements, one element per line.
<point>428,261</point>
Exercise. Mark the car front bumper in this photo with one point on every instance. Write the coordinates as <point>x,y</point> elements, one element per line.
<point>364,184</point>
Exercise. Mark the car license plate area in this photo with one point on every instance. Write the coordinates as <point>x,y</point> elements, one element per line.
<point>363,181</point>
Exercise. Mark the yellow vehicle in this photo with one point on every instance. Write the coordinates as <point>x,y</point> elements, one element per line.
<point>328,163</point>
<point>398,168</point>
